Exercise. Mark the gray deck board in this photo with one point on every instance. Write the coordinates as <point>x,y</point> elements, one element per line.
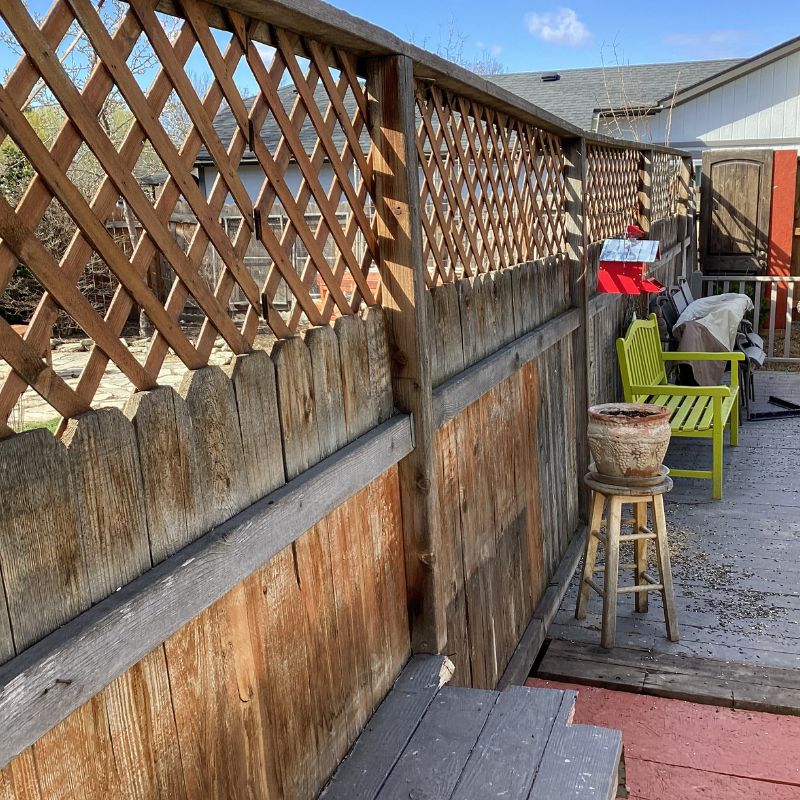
<point>435,757</point>
<point>736,561</point>
<point>508,752</point>
<point>579,763</point>
<point>428,742</point>
<point>363,772</point>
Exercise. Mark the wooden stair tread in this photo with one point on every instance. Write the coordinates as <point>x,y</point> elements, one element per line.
<point>675,675</point>
<point>437,742</point>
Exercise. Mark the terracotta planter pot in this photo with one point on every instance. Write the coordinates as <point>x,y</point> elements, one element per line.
<point>628,440</point>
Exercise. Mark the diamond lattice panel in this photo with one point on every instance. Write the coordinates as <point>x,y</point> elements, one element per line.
<point>492,187</point>
<point>107,217</point>
<point>612,191</point>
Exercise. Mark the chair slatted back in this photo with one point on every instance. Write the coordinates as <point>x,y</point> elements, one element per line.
<point>639,354</point>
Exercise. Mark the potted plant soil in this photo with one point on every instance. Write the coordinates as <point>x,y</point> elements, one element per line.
<point>628,440</point>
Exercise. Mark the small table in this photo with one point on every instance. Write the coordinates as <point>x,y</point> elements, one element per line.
<point>643,499</point>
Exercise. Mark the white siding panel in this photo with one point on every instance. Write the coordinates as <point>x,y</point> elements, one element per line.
<point>792,103</point>
<point>761,107</point>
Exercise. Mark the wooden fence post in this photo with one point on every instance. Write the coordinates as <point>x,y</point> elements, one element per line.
<point>575,166</point>
<point>646,191</point>
<point>390,85</point>
<point>692,205</point>
<point>684,219</point>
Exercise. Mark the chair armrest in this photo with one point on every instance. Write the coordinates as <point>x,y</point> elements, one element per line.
<point>683,391</point>
<point>677,355</point>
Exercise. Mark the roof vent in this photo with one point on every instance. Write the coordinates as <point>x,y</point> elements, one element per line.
<point>551,78</point>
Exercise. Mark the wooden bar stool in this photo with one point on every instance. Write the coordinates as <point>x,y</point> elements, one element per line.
<point>640,498</point>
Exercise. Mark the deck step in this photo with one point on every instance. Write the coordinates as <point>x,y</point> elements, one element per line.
<point>440,742</point>
<point>677,676</point>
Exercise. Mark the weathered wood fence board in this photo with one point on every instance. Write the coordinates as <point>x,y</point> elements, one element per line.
<point>208,594</point>
<point>506,454</point>
<point>250,697</point>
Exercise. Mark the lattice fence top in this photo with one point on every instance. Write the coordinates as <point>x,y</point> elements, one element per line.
<point>665,186</point>
<point>612,190</point>
<point>138,172</point>
<point>492,187</point>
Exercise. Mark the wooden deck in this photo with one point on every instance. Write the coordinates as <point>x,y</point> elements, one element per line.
<point>736,565</point>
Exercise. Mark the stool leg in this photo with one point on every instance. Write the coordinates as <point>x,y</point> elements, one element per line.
<point>590,553</point>
<point>609,634</point>
<point>640,557</point>
<point>665,568</point>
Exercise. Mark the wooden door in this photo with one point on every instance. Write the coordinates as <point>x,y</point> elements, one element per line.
<point>735,199</point>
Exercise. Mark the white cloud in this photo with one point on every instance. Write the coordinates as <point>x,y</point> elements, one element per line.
<point>492,49</point>
<point>559,27</point>
<point>722,43</point>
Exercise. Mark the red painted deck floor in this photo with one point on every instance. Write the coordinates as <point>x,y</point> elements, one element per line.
<point>676,750</point>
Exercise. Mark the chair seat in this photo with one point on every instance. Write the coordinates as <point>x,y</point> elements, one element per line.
<point>691,414</point>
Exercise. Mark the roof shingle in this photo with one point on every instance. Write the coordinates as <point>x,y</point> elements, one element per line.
<point>579,92</point>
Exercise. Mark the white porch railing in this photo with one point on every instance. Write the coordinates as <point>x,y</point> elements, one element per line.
<point>776,300</point>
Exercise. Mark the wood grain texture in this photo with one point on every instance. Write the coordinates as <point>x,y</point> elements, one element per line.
<point>170,478</point>
<point>519,726</point>
<point>577,242</point>
<point>312,551</point>
<point>106,476</point>
<point>433,760</point>
<point>363,772</point>
<point>447,349</point>
<point>580,762</point>
<point>456,394</point>
<point>44,575</point>
<point>217,443</point>
<point>450,499</point>
<point>390,84</point>
<point>380,375</point>
<point>253,379</point>
<point>520,665</point>
<point>104,641</point>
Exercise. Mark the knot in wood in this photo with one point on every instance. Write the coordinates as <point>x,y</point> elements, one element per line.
<point>399,358</point>
<point>427,560</point>
<point>424,484</point>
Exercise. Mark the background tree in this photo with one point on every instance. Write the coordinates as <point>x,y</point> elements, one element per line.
<point>56,229</point>
<point>452,45</point>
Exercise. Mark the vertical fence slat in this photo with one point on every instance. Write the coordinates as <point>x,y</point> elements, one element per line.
<point>575,169</point>
<point>107,480</point>
<point>253,379</point>
<point>390,83</point>
<point>41,558</point>
<point>169,469</point>
<point>773,303</point>
<point>787,330</point>
<point>645,192</point>
<point>757,309</point>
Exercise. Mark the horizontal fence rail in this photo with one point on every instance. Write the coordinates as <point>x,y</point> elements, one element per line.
<point>776,307</point>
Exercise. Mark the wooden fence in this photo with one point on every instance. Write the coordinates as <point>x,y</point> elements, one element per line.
<point>206,595</point>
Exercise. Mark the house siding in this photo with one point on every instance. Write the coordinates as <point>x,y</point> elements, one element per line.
<point>759,109</point>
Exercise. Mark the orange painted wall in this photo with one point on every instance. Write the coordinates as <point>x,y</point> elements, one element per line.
<point>781,223</point>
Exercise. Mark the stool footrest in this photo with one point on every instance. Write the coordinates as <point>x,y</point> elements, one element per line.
<point>641,587</point>
<point>593,585</point>
<point>627,537</point>
<point>601,568</point>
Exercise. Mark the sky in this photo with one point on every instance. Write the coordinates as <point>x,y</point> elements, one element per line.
<point>529,36</point>
<point>533,35</point>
